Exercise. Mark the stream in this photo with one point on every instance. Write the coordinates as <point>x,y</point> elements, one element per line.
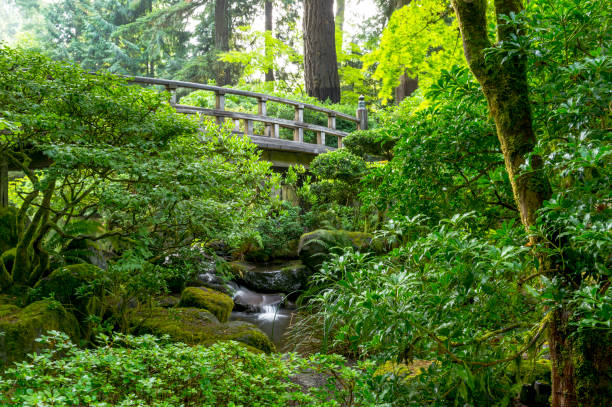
<point>270,312</point>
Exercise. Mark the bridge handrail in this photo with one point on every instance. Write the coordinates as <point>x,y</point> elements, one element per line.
<point>258,118</point>
<point>272,124</point>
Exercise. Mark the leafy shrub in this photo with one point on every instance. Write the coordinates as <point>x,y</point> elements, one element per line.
<point>448,295</point>
<point>375,142</point>
<point>281,227</point>
<point>145,371</point>
<point>340,164</point>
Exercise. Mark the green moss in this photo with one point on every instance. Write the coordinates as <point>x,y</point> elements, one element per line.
<point>197,326</point>
<point>8,299</point>
<point>530,371</point>
<point>8,257</point>
<point>19,327</point>
<point>593,367</point>
<point>64,285</point>
<point>8,228</point>
<point>219,304</point>
<point>233,268</point>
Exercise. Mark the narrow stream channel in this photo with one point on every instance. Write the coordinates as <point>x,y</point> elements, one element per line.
<point>268,311</point>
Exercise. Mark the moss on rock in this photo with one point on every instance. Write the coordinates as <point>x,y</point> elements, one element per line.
<point>316,245</point>
<point>219,304</point>
<point>197,326</point>
<point>64,285</point>
<point>19,327</point>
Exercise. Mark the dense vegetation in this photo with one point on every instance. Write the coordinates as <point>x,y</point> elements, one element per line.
<point>457,252</point>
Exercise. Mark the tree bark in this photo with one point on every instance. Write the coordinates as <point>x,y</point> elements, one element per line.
<point>269,11</point>
<point>320,59</point>
<point>406,87</point>
<point>580,373</point>
<point>222,34</point>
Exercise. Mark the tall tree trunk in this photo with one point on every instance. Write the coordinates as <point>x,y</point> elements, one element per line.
<point>406,87</point>
<point>222,33</point>
<point>269,11</point>
<point>581,368</point>
<point>320,60</point>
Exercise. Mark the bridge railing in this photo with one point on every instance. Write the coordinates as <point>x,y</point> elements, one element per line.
<point>272,125</point>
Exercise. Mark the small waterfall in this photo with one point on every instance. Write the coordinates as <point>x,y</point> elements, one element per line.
<point>264,310</point>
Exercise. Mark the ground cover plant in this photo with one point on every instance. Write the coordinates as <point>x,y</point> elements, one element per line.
<point>146,371</point>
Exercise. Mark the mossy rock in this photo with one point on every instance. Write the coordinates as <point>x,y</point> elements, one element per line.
<point>195,326</point>
<point>235,269</point>
<point>8,228</point>
<point>286,252</point>
<point>19,327</point>
<point>315,246</point>
<point>64,284</point>
<point>168,301</point>
<point>289,279</point>
<point>219,304</point>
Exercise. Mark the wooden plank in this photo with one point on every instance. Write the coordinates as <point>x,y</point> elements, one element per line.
<point>262,110</point>
<point>291,124</point>
<point>219,105</point>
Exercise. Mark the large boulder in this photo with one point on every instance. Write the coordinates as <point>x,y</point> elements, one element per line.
<point>288,279</point>
<point>19,327</point>
<point>68,285</point>
<point>314,247</point>
<point>8,228</point>
<point>219,304</point>
<point>288,251</point>
<point>198,326</point>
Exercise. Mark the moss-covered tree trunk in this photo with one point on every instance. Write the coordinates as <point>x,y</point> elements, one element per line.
<point>580,365</point>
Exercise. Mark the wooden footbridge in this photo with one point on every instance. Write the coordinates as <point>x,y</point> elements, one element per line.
<point>281,152</point>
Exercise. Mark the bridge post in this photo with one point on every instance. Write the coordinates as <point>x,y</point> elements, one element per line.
<point>172,90</point>
<point>4,182</point>
<point>321,138</point>
<point>262,110</point>
<point>362,115</point>
<point>298,134</point>
<point>219,105</point>
<point>248,127</point>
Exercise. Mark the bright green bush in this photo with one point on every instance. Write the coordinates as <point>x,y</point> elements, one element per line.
<point>339,164</point>
<point>145,371</point>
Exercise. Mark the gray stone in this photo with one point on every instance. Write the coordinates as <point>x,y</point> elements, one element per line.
<point>288,279</point>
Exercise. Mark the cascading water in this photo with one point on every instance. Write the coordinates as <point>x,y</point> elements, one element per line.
<point>264,310</point>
